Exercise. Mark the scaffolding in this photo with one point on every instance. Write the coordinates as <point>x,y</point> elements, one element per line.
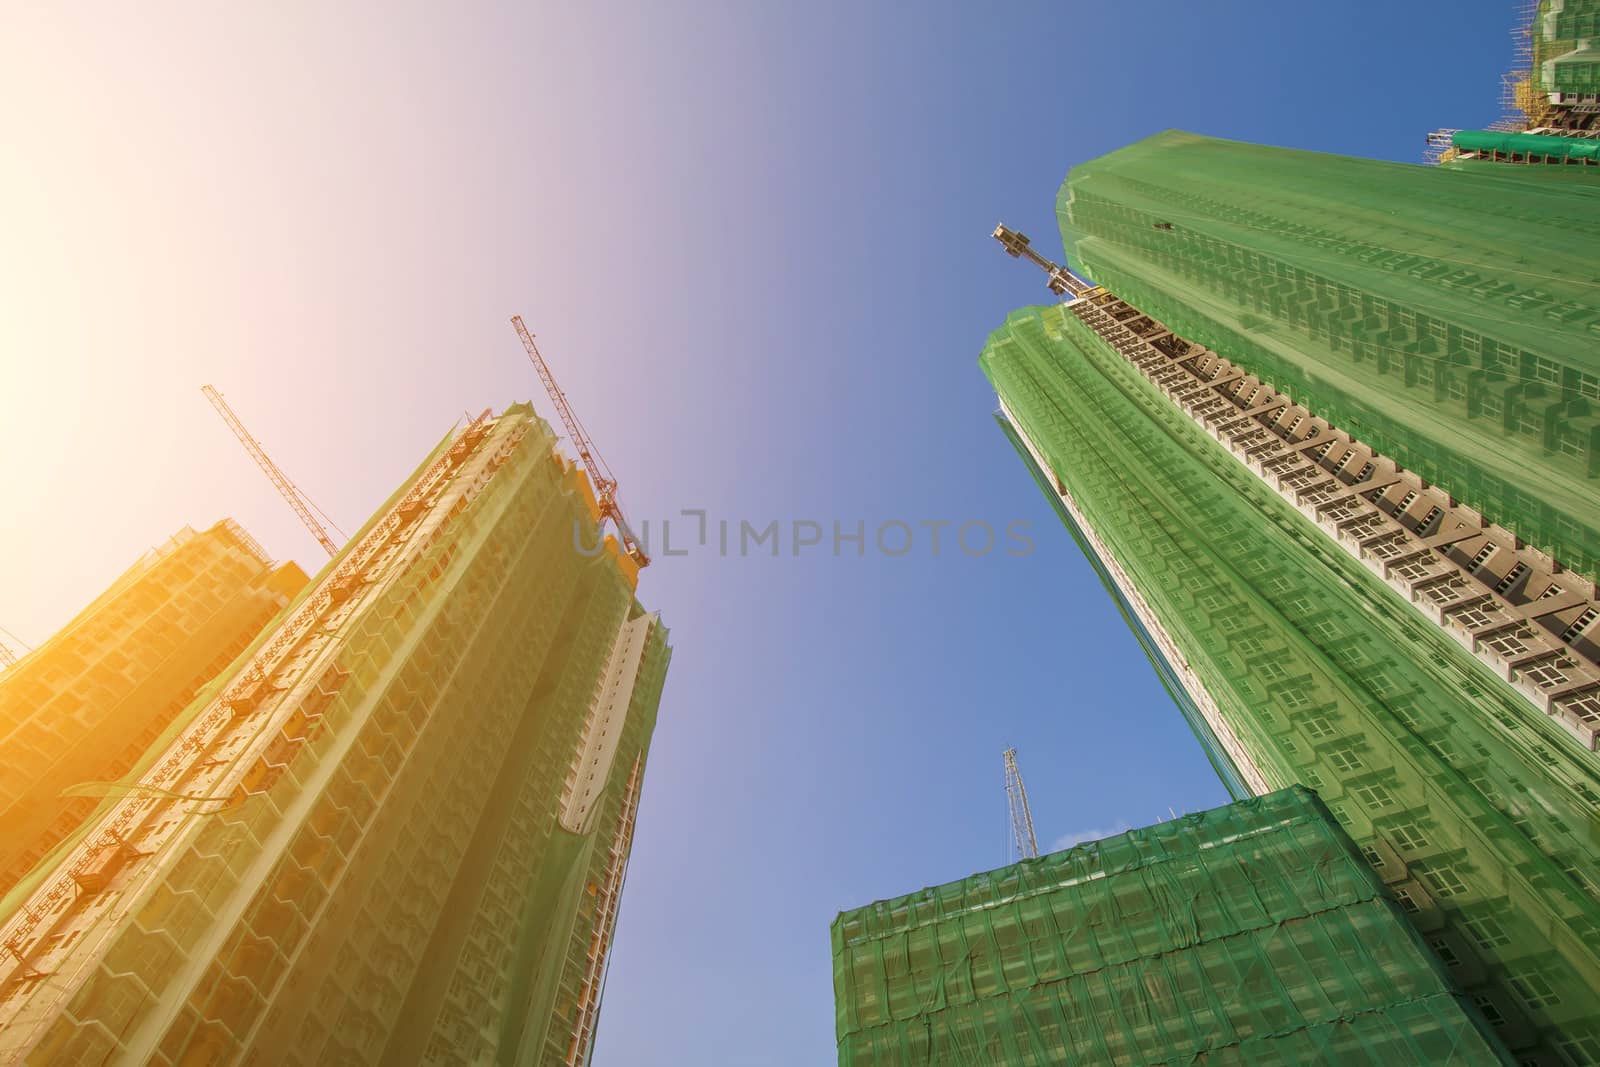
<point>352,846</point>
<point>1311,670</point>
<point>1447,318</point>
<point>1252,934</point>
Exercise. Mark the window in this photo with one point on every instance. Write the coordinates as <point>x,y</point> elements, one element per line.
<point>1490,1011</point>
<point>1585,706</point>
<point>1442,878</point>
<point>1476,617</point>
<point>1486,931</point>
<point>1409,836</point>
<point>1407,904</point>
<point>1317,727</point>
<point>1386,547</point>
<point>1249,646</point>
<point>1373,797</point>
<point>1345,760</point>
<point>1571,442</point>
<point>1441,948</point>
<point>1270,671</point>
<point>1276,583</point>
<point>1483,555</point>
<point>1506,646</point>
<point>1535,989</point>
<point>1428,519</point>
<point>1293,697</point>
<point>1579,624</point>
<point>1413,570</point>
<point>1511,578</point>
<point>1547,674</point>
<point>1582,1047</point>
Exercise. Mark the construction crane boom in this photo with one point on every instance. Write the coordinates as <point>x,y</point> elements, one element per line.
<point>1021,818</point>
<point>605,483</point>
<point>7,657</point>
<point>288,490</point>
<point>1061,281</point>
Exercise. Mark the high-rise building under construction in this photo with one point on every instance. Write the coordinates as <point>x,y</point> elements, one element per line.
<point>1449,319</point>
<point>1324,611</point>
<point>397,830</point>
<point>1249,934</point>
<point>83,707</point>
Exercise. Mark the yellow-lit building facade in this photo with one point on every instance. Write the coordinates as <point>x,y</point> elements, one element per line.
<point>397,830</point>
<point>82,708</point>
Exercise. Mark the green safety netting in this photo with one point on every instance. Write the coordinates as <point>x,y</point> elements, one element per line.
<point>1531,175</point>
<point>1537,145</point>
<point>1480,808</point>
<point>1577,71</point>
<point>396,884</point>
<point>1448,318</point>
<point>1249,934</point>
<point>1568,19</point>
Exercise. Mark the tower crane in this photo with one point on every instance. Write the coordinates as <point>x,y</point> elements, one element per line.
<point>9,658</point>
<point>1062,281</point>
<point>605,483</point>
<point>301,503</point>
<point>1017,801</point>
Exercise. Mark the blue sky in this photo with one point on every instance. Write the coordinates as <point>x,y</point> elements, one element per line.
<point>754,244</point>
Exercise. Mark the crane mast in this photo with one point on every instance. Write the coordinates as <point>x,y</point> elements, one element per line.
<point>605,483</point>
<point>1017,800</point>
<point>288,490</point>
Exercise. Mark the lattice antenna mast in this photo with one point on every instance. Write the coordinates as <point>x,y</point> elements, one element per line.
<point>1017,801</point>
<point>288,490</point>
<point>605,483</point>
<point>1061,282</point>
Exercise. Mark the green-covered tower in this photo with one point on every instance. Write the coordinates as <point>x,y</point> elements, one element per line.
<point>1449,318</point>
<point>1326,616</point>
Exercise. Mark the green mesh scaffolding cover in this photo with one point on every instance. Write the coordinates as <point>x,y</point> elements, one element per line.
<point>1450,318</point>
<point>400,880</point>
<point>1568,19</point>
<point>1250,934</point>
<point>1473,804</point>
<point>1565,56</point>
<point>1549,146</point>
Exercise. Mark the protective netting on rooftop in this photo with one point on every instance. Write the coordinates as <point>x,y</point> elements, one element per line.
<point>1528,145</point>
<point>1474,805</point>
<point>1249,934</point>
<point>1450,318</point>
